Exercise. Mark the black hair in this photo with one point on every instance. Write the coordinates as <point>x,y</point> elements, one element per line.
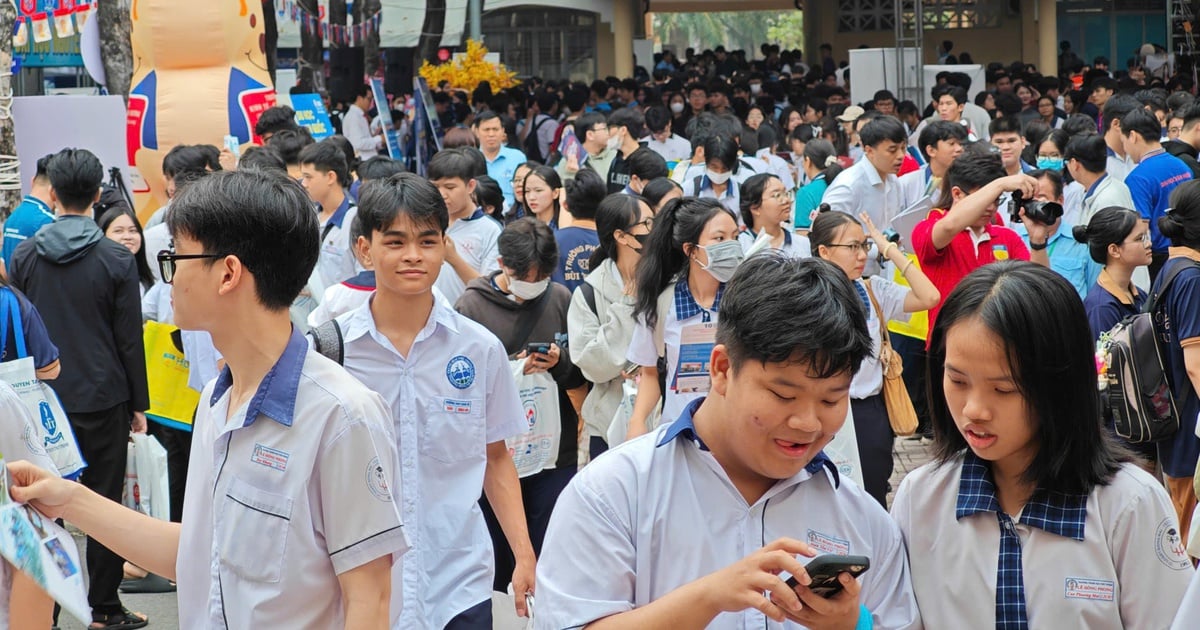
<point>825,228</point>
<point>787,113</point>
<point>465,163</point>
<point>657,188</point>
<point>616,212</point>
<point>587,122</point>
<point>663,261</point>
<point>289,143</point>
<point>630,118</point>
<point>1079,124</point>
<point>585,192</point>
<point>1143,123</point>
<point>939,131</point>
<point>724,149</point>
<point>42,162</point>
<point>657,118</point>
<point>186,157</point>
<point>1042,324</point>
<point>325,157</point>
<point>1182,223</point>
<point>527,244</point>
<point>906,107</point>
<point>262,158</point>
<point>1104,82</point>
<point>379,167</point>
<point>275,119</point>
<point>646,164</point>
<point>485,116</point>
<point>1005,124</point>
<point>883,95</point>
<point>779,309</point>
<point>973,170</point>
<point>264,218</point>
<point>75,176</point>
<point>361,91</point>
<point>1116,108</point>
<point>823,155</point>
<point>145,276</point>
<point>1109,226</point>
<point>382,201</point>
<point>751,194</point>
<point>953,91</point>
<point>1055,177</point>
<point>552,179</point>
<point>1059,137</point>
<point>348,152</point>
<point>1090,151</point>
<point>1189,114</point>
<point>489,195</point>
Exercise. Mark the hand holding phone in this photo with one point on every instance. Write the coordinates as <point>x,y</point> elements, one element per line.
<point>538,347</point>
<point>824,571</point>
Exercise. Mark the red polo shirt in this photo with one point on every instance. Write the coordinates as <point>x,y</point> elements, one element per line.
<point>947,267</point>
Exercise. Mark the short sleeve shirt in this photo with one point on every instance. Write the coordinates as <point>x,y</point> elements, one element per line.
<point>1181,305</point>
<point>575,248</point>
<point>476,238</point>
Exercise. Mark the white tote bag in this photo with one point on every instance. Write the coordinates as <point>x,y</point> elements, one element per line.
<point>843,450</point>
<point>536,449</point>
<point>146,488</point>
<point>51,424</point>
<point>619,427</point>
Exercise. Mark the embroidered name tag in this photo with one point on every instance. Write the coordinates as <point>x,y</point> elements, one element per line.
<point>1096,590</point>
<point>269,457</point>
<point>828,544</point>
<point>456,406</point>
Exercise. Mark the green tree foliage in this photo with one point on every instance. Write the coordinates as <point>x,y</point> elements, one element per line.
<point>746,30</point>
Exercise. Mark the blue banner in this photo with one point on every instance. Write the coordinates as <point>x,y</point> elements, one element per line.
<point>311,114</point>
<point>390,133</point>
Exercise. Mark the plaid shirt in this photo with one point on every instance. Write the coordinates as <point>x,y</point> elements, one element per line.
<point>686,306</point>
<point>1053,512</point>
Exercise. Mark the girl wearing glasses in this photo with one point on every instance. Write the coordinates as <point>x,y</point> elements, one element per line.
<point>766,206</point>
<point>841,240</point>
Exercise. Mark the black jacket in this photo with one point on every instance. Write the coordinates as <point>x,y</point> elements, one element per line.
<point>1185,152</point>
<point>86,288</point>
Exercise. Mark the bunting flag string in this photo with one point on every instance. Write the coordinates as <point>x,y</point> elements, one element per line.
<point>36,17</point>
<point>341,34</point>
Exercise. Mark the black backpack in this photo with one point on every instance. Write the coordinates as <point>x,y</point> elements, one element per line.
<point>532,146</point>
<point>1138,394</point>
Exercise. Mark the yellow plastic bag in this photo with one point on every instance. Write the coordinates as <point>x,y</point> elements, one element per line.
<point>172,402</point>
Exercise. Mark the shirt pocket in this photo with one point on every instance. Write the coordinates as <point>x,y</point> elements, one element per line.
<point>454,430</point>
<point>253,531</point>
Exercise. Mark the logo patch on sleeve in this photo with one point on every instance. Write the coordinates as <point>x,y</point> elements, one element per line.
<point>1095,590</point>
<point>269,457</point>
<point>377,481</point>
<point>1169,547</point>
<point>828,544</point>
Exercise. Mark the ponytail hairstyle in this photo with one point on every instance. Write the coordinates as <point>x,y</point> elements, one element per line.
<point>1109,226</point>
<point>1182,223</point>
<point>825,229</point>
<point>680,222</point>
<point>822,154</point>
<point>616,212</point>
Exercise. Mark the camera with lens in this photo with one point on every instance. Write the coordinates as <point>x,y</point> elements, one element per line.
<point>1044,212</point>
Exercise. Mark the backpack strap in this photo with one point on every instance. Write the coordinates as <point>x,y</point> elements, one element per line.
<point>589,296</point>
<point>328,341</point>
<point>1152,303</point>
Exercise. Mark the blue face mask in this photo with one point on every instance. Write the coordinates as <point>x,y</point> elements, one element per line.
<point>1053,164</point>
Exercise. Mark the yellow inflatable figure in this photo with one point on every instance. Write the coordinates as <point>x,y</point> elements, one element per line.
<point>200,73</point>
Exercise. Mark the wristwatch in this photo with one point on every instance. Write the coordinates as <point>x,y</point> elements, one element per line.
<point>1036,247</point>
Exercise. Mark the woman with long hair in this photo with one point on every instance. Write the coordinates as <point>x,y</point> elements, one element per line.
<point>121,225</point>
<point>659,191</point>
<point>541,190</point>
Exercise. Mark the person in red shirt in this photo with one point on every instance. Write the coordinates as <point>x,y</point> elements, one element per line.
<point>965,234</point>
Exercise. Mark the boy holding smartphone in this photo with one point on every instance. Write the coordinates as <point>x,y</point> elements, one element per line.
<point>698,523</point>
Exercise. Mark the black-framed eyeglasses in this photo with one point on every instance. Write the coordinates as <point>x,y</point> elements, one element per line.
<point>648,224</point>
<point>167,258</point>
<point>864,247</point>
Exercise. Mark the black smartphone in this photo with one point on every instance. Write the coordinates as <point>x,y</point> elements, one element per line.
<point>824,571</point>
<point>538,347</point>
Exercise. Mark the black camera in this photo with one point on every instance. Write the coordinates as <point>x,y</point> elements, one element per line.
<point>1044,212</point>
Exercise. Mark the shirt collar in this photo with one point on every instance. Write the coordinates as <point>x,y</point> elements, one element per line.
<point>1122,294</point>
<point>685,426</point>
<point>361,321</point>
<point>873,177</point>
<point>364,280</point>
<point>478,214</point>
<point>42,205</point>
<point>339,215</point>
<point>1183,252</point>
<point>1095,186</point>
<point>1054,512</point>
<point>686,305</point>
<point>730,186</point>
<point>276,395</point>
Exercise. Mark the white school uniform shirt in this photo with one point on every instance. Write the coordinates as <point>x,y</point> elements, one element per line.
<point>295,489</point>
<point>868,381</point>
<point>450,397</point>
<point>357,130</point>
<point>659,511</point>
<point>683,312</point>
<point>477,239</point>
<point>674,149</point>
<point>336,261</point>
<point>794,245</point>
<point>1111,559</point>
<point>860,189</point>
<point>778,167</point>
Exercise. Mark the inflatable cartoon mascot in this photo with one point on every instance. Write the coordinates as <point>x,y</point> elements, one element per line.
<point>199,73</point>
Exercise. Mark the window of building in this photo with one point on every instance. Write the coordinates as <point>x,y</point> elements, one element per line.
<point>547,43</point>
<point>879,15</point>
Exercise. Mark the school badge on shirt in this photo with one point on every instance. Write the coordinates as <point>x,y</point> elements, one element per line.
<point>460,371</point>
<point>999,252</point>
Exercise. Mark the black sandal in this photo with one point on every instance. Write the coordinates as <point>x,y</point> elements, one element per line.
<point>125,620</point>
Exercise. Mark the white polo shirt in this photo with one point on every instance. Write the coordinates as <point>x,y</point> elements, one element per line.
<point>476,238</point>
<point>659,511</point>
<point>337,261</point>
<point>294,490</point>
<point>450,397</point>
<point>1111,559</point>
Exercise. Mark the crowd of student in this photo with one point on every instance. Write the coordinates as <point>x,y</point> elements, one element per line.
<point>633,258</point>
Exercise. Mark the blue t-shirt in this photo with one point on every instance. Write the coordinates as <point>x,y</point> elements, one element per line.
<point>1181,305</point>
<point>26,219</point>
<point>1150,184</point>
<point>1068,257</point>
<point>575,247</point>
<point>1105,310</point>
<point>37,340</point>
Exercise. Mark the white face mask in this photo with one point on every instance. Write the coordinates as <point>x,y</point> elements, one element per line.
<point>614,142</point>
<point>677,108</point>
<point>755,88</point>
<point>717,178</point>
<point>527,290</point>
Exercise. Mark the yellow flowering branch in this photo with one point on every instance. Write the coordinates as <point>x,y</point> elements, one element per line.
<point>467,72</point>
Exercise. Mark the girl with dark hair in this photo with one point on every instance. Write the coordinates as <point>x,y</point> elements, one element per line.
<point>766,206</point>
<point>693,251</point>
<point>841,240</point>
<point>790,118</point>
<point>1029,504</point>
<point>121,225</point>
<point>600,322</point>
<point>820,163</point>
<point>519,209</point>
<point>1178,325</point>
<point>659,191</point>
<point>720,179</point>
<point>489,197</point>
<point>541,191</point>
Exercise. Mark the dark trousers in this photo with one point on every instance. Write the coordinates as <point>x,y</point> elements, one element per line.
<point>539,493</point>
<point>875,437</point>
<point>477,617</point>
<point>912,353</point>
<point>178,444</point>
<point>596,447</point>
<point>103,437</point>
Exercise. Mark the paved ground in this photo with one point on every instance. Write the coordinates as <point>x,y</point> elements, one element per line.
<point>908,455</point>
